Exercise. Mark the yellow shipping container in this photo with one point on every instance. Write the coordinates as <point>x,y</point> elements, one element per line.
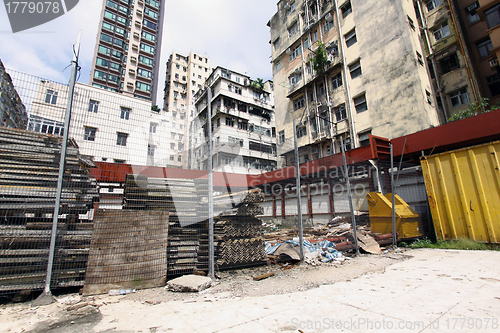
<point>463,187</point>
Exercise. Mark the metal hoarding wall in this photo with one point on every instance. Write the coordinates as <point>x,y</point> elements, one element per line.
<point>463,187</point>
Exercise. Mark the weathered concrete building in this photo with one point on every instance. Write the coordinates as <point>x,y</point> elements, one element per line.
<point>106,125</point>
<point>371,78</point>
<point>185,76</point>
<point>12,110</point>
<point>243,125</point>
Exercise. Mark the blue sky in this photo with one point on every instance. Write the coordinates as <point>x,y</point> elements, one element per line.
<point>233,34</point>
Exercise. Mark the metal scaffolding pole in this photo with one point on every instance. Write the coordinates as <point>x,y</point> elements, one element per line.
<point>46,296</point>
<point>349,195</point>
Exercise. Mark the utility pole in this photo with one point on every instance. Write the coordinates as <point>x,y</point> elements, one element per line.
<point>211,250</point>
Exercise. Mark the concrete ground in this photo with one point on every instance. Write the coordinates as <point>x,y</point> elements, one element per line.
<point>435,291</point>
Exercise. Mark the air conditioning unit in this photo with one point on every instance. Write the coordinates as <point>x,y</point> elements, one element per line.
<point>135,47</point>
<point>130,84</point>
<point>329,17</point>
<point>136,35</point>
<point>494,63</point>
<point>133,59</point>
<point>473,7</point>
<point>138,23</point>
<point>139,12</point>
<point>131,71</point>
<point>288,51</point>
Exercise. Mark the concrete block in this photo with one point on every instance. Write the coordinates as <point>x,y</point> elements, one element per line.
<point>189,283</point>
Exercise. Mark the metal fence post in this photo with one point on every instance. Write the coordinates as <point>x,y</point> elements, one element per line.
<point>299,201</point>
<point>46,296</point>
<point>211,249</point>
<point>393,199</point>
<point>349,195</point>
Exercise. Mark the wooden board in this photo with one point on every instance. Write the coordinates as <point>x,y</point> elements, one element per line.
<point>128,250</point>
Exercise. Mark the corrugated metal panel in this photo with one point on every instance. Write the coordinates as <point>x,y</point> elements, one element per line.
<point>463,187</point>
<point>320,204</point>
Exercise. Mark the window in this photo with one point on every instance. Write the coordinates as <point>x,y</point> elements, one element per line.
<point>315,36</point>
<point>121,139</point>
<point>172,157</point>
<point>410,23</point>
<point>431,4</point>
<point>151,150</point>
<point>298,103</point>
<point>336,81</point>
<point>294,28</point>
<point>51,97</point>
<point>301,131</point>
<point>147,48</point>
<point>484,48</point>
<point>179,158</point>
<point>355,69</point>
<point>93,106</point>
<point>441,31</point>
<point>449,64</point>
<point>142,86</point>
<point>350,38</point>
<point>364,139</point>
<point>419,59</point>
<point>360,104</point>
<point>172,145</point>
<point>243,125</point>
<point>281,137</point>
<point>291,7</point>
<point>296,51</point>
<point>459,97</point>
<point>327,25</point>
<point>494,84</point>
<point>145,73</point>
<point>152,127</point>
<point>125,113</point>
<point>321,89</point>
<point>340,112</point>
<point>492,16</point>
<point>472,14</point>
<point>346,9</point>
<point>148,36</point>
<point>149,62</point>
<point>428,96</point>
<point>89,134</point>
<point>149,24</point>
<point>295,78</point>
<point>229,121</point>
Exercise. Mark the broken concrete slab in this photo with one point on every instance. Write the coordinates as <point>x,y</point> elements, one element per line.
<point>189,283</point>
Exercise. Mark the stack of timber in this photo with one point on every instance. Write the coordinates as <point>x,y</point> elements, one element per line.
<point>177,196</point>
<point>187,248</point>
<point>29,167</point>
<point>237,232</point>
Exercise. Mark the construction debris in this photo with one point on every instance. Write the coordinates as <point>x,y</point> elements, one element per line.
<point>263,276</point>
<point>189,283</point>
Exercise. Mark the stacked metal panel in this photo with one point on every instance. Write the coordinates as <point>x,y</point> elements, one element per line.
<point>29,164</point>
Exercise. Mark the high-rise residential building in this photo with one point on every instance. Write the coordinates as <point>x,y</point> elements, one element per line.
<point>127,52</point>
<point>243,127</point>
<point>185,76</point>
<point>347,69</point>
<point>12,110</point>
<point>480,26</point>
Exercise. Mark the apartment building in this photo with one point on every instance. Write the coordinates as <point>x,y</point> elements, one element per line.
<point>12,110</point>
<point>107,126</point>
<point>127,51</point>
<point>185,76</point>
<point>243,125</point>
<point>347,69</point>
<point>480,23</point>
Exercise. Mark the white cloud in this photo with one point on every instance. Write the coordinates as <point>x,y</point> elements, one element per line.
<point>233,33</point>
